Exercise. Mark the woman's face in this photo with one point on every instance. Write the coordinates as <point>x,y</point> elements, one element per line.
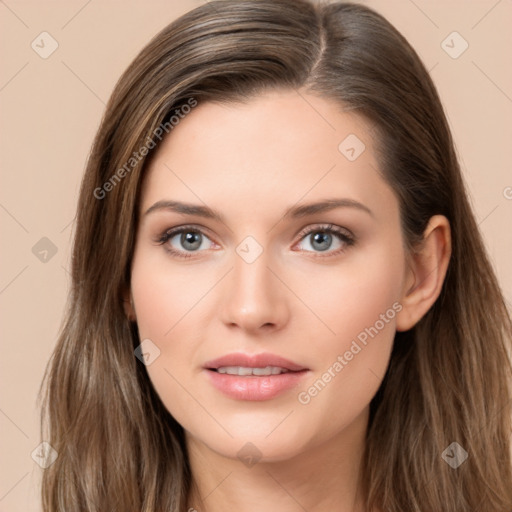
<point>266,276</point>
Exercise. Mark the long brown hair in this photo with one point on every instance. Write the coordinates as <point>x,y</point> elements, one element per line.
<point>449,376</point>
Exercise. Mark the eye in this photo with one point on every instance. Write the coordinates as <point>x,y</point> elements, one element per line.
<point>193,240</point>
<point>190,238</point>
<point>323,239</point>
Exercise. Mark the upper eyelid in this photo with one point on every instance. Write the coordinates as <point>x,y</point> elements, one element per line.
<point>171,232</point>
<point>340,230</point>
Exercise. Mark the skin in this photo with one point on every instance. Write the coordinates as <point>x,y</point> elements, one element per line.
<point>251,162</point>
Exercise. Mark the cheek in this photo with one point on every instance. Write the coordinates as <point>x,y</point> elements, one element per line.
<point>352,295</point>
<point>165,302</point>
<point>155,302</point>
<point>163,294</point>
<point>359,304</point>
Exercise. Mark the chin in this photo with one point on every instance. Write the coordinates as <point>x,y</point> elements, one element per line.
<point>251,443</point>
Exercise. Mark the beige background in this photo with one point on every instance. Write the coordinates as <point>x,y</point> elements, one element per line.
<point>50,110</point>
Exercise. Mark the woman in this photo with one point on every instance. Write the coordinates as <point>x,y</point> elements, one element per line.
<point>280,297</point>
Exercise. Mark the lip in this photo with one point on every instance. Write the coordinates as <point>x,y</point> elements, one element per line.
<point>254,361</point>
<point>254,387</point>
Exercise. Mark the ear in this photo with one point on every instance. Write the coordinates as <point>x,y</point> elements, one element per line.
<point>426,270</point>
<point>128,305</point>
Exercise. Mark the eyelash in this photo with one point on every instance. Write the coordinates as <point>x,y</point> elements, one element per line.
<point>342,235</point>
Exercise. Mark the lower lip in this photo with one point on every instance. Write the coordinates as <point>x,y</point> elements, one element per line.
<point>255,387</point>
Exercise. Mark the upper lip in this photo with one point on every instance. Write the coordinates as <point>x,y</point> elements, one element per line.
<point>253,361</point>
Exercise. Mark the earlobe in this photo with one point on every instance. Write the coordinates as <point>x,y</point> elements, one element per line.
<point>426,273</point>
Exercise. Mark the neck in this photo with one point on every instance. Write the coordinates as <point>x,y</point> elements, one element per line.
<point>321,478</point>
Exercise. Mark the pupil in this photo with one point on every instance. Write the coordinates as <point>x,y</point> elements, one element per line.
<point>191,238</point>
<point>322,237</point>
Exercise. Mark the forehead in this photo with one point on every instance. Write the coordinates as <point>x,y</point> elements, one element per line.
<point>277,148</point>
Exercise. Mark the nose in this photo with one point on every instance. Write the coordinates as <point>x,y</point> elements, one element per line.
<point>255,298</point>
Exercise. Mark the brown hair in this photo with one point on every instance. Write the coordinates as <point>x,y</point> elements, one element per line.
<point>449,376</point>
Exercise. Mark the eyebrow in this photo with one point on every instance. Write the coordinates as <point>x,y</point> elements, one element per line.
<point>292,212</point>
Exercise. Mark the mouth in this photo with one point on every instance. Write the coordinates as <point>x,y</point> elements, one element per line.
<point>254,377</point>
<point>253,364</point>
<point>244,371</point>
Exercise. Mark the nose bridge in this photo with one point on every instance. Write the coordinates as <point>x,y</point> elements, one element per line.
<point>255,296</point>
